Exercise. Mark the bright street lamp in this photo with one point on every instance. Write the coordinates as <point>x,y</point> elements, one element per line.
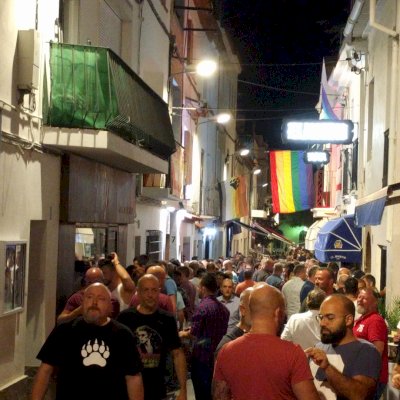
<point>257,171</point>
<point>244,152</point>
<point>206,68</point>
<point>223,118</point>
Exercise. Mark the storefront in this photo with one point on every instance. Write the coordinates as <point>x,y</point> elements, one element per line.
<point>97,207</point>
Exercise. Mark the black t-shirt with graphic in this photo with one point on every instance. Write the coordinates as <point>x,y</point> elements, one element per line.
<point>92,360</point>
<point>156,334</point>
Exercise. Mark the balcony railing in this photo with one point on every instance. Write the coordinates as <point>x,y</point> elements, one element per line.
<point>92,88</point>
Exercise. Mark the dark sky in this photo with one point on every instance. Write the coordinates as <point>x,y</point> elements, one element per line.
<point>267,35</point>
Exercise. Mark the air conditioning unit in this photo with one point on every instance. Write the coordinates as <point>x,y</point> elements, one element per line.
<point>28,53</point>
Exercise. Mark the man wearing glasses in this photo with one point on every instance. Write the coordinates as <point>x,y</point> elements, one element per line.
<point>343,366</point>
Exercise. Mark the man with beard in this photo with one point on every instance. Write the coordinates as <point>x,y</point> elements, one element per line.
<point>372,327</point>
<point>95,357</point>
<point>260,365</point>
<point>343,366</point>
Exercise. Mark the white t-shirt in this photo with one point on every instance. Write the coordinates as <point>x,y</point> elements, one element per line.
<point>303,329</point>
<point>117,294</point>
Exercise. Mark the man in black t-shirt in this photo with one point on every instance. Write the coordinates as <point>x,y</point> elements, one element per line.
<point>156,335</point>
<point>95,356</point>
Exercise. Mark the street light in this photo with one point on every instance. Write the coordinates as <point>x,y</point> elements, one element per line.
<point>206,68</point>
<point>223,118</point>
<point>244,152</point>
<point>257,171</point>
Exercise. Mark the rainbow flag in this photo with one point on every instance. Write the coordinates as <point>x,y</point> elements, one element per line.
<point>291,182</point>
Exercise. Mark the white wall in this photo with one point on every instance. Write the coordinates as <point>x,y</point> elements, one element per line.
<point>380,55</point>
<point>29,191</point>
<point>154,49</point>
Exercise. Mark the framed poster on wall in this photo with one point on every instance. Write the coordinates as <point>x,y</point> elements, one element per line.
<point>12,276</point>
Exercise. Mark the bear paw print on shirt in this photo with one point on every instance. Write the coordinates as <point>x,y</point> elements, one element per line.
<point>95,354</point>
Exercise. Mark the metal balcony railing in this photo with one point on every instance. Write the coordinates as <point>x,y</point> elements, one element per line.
<point>92,88</point>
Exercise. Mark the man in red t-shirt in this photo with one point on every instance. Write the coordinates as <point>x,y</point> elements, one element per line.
<point>372,327</point>
<point>248,282</point>
<point>259,365</point>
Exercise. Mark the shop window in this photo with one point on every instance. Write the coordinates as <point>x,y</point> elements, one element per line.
<point>92,243</point>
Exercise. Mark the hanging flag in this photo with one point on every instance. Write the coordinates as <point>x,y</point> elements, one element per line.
<point>328,99</point>
<point>234,198</point>
<point>291,182</point>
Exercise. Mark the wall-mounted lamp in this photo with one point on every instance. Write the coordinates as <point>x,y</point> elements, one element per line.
<point>257,171</point>
<point>242,152</point>
<point>264,184</point>
<point>223,118</point>
<point>206,68</point>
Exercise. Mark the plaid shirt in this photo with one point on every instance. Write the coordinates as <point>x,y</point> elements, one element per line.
<point>209,325</point>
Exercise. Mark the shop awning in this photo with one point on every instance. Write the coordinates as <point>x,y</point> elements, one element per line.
<point>263,231</point>
<point>273,233</point>
<point>369,209</point>
<point>312,233</point>
<point>339,240</point>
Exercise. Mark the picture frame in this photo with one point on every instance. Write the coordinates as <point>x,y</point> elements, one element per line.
<point>12,276</point>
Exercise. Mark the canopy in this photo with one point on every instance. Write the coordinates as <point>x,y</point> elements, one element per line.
<point>339,240</point>
<point>264,231</point>
<point>312,233</point>
<point>369,209</point>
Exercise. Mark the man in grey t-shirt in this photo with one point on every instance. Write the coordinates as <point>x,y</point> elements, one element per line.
<point>343,366</point>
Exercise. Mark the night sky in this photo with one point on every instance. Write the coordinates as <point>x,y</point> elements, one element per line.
<point>269,34</point>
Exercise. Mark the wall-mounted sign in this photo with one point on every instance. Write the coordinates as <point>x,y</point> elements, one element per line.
<point>316,157</point>
<point>317,131</point>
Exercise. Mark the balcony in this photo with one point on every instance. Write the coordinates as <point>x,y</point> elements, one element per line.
<point>97,107</point>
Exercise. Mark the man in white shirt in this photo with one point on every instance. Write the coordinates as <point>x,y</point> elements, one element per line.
<point>230,301</point>
<point>292,288</point>
<point>303,328</point>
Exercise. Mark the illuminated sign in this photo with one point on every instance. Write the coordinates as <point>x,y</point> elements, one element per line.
<point>317,131</point>
<point>316,157</point>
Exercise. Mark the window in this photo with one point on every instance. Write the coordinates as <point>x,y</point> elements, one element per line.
<point>153,245</point>
<point>137,245</point>
<point>385,168</point>
<point>180,13</point>
<point>176,95</point>
<point>370,119</point>
<point>354,166</point>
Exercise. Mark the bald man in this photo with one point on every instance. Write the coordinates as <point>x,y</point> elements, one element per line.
<point>155,329</point>
<point>344,367</point>
<point>73,308</point>
<point>92,348</point>
<point>164,301</point>
<point>260,365</point>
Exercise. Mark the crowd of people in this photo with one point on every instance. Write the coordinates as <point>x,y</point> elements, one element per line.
<point>240,328</point>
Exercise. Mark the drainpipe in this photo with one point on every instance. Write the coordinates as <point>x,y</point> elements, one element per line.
<point>355,13</point>
<point>373,24</point>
